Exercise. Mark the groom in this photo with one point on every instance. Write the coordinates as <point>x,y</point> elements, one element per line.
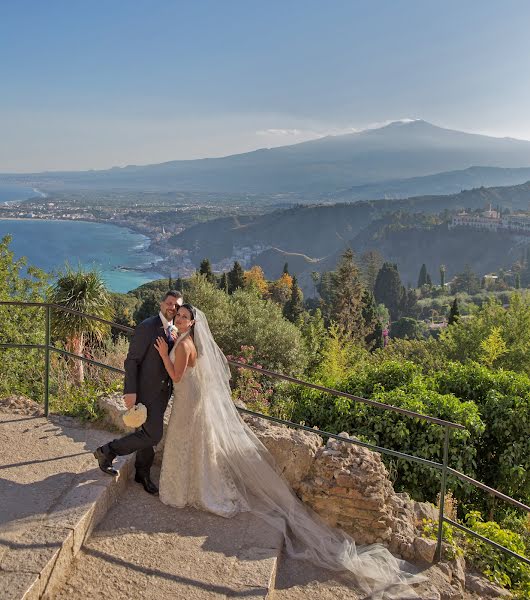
<point>146,381</point>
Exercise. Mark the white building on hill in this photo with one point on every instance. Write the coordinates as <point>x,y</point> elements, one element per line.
<point>492,220</point>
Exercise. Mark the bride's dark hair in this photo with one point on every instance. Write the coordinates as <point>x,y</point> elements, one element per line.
<point>193,312</point>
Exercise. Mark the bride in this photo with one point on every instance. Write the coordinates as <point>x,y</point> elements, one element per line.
<point>213,461</point>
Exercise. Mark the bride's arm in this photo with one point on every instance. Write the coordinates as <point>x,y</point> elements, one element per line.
<point>176,369</point>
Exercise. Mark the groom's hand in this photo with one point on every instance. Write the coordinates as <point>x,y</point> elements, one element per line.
<point>130,400</point>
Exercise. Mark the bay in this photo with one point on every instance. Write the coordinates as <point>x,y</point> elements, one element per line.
<point>111,249</point>
<point>16,193</point>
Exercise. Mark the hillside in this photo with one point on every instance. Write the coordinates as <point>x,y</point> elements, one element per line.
<point>400,150</point>
<point>321,230</point>
<point>411,246</point>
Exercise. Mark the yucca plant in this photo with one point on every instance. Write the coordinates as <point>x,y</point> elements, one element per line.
<point>84,291</point>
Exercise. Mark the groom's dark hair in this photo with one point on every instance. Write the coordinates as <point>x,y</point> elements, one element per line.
<point>173,293</point>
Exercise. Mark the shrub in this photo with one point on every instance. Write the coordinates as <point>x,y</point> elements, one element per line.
<point>503,399</point>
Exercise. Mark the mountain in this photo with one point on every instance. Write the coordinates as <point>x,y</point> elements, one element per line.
<point>400,150</point>
<point>450,182</point>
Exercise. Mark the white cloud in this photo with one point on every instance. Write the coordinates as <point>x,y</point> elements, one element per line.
<point>280,132</point>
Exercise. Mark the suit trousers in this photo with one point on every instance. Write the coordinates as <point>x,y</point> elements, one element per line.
<point>143,440</point>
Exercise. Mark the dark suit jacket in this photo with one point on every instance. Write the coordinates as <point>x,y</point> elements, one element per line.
<point>145,373</point>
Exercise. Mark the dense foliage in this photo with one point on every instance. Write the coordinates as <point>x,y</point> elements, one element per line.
<point>474,371</point>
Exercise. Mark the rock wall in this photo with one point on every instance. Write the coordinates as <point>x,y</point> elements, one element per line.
<point>346,484</point>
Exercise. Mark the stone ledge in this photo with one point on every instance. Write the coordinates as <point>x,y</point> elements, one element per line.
<point>255,568</point>
<point>34,566</point>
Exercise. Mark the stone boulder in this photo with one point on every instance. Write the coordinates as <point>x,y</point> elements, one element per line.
<point>484,588</point>
<point>293,450</point>
<point>113,408</point>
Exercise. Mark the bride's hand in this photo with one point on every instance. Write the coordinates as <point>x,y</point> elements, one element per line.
<point>161,346</point>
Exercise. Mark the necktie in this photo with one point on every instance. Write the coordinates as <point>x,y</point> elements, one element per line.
<point>170,341</point>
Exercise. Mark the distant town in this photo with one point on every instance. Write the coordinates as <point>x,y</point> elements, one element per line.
<point>151,214</point>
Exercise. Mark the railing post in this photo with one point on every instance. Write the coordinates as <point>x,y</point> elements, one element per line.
<point>438,554</point>
<point>47,363</point>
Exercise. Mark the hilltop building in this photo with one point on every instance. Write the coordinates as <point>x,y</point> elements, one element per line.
<point>493,220</point>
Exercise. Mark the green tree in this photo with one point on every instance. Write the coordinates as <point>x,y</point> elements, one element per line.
<point>371,262</point>
<point>409,303</point>
<point>21,370</point>
<point>466,281</point>
<point>278,344</point>
<point>422,277</point>
<point>408,328</point>
<point>399,384</point>
<point>339,354</point>
<point>388,289</point>
<point>214,303</point>
<point>493,347</point>
<point>347,305</point>
<point>314,334</point>
<point>442,276</point>
<point>294,307</point>
<point>206,270</point>
<point>503,400</point>
<point>148,306</point>
<point>245,319</point>
<point>463,340</point>
<point>83,291</point>
<point>326,290</point>
<point>236,278</point>
<point>371,324</point>
<point>123,308</point>
<point>286,268</point>
<point>223,283</point>
<point>454,313</point>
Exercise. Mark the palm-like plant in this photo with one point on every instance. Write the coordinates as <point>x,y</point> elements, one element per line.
<point>83,291</point>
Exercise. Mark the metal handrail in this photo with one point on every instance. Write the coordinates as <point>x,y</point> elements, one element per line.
<point>320,388</point>
<point>447,425</point>
<point>274,374</point>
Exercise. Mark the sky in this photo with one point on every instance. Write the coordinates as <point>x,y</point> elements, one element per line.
<point>90,85</point>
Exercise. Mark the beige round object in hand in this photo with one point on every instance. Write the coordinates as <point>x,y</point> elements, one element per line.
<point>136,416</point>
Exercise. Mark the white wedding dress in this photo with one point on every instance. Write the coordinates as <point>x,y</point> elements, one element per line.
<point>213,461</point>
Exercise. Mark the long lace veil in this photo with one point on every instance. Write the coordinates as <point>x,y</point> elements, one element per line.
<point>376,571</point>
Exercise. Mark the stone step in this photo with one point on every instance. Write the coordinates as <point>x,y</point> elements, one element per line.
<point>53,496</point>
<point>144,549</point>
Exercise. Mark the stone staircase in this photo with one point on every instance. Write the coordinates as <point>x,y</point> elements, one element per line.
<point>68,531</point>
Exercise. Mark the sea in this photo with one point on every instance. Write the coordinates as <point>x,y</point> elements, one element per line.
<point>49,245</point>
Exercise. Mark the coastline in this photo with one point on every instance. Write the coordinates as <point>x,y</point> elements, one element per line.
<point>150,268</point>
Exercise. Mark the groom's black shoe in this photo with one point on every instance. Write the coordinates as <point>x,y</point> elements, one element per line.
<point>105,461</point>
<point>149,486</point>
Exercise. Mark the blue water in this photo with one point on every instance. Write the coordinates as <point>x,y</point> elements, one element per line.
<point>11,193</point>
<point>49,244</point>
